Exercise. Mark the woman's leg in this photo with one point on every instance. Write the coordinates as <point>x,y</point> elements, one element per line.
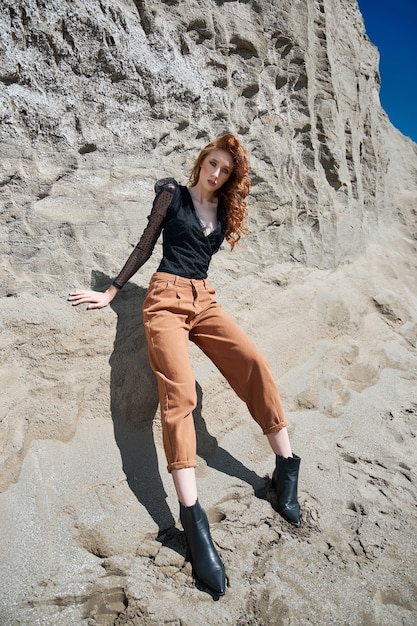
<point>185,485</point>
<point>167,335</point>
<point>246,370</point>
<point>280,442</point>
<point>167,331</point>
<point>180,448</point>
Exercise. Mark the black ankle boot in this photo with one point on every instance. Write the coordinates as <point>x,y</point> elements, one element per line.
<point>207,564</point>
<point>284,483</point>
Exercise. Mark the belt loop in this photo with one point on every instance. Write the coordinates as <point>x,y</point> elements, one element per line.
<point>194,290</point>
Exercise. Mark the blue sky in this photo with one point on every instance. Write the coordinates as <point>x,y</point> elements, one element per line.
<point>392,26</point>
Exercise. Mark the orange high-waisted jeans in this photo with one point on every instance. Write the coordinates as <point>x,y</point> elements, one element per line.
<point>175,310</point>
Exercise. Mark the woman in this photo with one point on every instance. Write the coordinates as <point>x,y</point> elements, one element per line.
<point>180,305</point>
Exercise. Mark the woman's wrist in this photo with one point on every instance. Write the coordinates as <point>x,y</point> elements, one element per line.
<point>112,291</point>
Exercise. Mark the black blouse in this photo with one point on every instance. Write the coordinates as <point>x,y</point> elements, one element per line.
<point>187,251</point>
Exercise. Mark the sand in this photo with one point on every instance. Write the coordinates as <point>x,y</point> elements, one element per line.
<point>89,518</point>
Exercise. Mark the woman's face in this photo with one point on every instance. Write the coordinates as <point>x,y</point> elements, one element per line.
<point>215,169</point>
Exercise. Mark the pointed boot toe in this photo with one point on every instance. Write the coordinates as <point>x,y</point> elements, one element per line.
<point>214,578</point>
<point>291,514</point>
<point>207,564</point>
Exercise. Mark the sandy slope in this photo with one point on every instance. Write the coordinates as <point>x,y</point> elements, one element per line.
<point>87,529</point>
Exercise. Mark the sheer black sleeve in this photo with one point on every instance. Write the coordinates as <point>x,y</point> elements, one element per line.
<point>165,190</point>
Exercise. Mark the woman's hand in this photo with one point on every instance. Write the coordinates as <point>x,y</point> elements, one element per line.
<point>98,299</point>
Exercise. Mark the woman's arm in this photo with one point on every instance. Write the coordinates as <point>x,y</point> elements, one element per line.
<point>139,255</point>
<point>150,235</point>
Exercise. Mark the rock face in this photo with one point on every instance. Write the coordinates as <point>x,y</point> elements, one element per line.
<point>298,81</point>
<point>98,99</point>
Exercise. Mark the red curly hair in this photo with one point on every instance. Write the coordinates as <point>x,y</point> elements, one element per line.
<point>235,189</point>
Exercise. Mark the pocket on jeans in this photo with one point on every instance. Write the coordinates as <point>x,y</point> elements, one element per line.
<point>161,295</point>
<point>159,287</point>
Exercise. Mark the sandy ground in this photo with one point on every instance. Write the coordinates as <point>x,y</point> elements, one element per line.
<point>90,532</point>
